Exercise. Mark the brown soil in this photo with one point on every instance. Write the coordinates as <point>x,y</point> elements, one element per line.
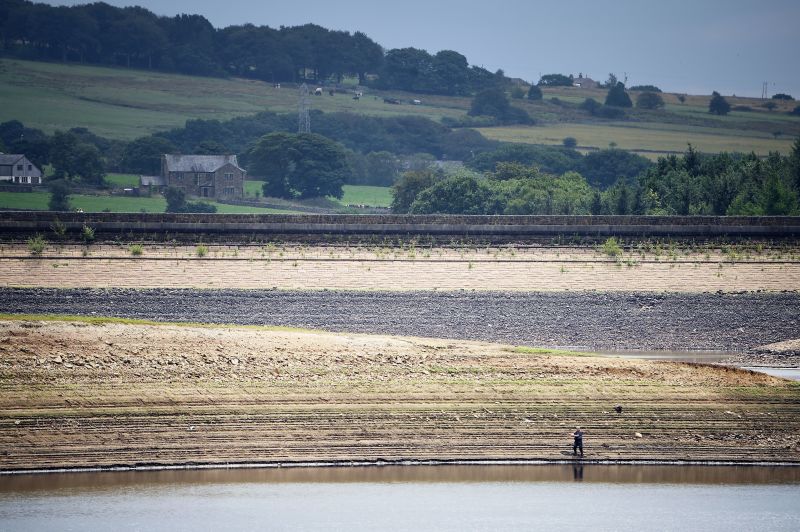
<point>374,268</point>
<point>74,394</point>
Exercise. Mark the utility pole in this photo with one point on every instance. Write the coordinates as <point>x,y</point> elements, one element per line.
<point>303,105</point>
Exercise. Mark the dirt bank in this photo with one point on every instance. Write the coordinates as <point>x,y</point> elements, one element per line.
<point>649,268</point>
<point>603,321</point>
<point>74,394</point>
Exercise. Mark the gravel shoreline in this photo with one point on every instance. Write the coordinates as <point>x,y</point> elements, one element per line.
<point>603,321</point>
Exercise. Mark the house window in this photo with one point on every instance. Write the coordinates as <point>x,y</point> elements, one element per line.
<point>228,177</point>
<point>228,191</point>
<point>179,176</point>
<point>30,168</point>
<point>20,167</point>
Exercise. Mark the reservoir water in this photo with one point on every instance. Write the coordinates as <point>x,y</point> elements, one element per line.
<point>463,498</point>
<point>702,357</point>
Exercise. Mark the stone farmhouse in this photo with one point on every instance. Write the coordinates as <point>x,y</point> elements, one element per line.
<point>204,176</point>
<point>16,168</point>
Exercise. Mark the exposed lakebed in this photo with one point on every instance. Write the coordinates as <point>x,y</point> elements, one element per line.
<point>582,320</point>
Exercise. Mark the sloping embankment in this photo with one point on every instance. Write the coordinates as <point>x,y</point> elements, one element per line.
<point>78,394</point>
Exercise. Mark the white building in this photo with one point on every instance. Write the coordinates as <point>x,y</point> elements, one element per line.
<point>16,168</point>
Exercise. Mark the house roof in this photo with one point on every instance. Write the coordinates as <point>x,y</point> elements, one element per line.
<point>10,158</point>
<point>152,180</point>
<point>199,163</point>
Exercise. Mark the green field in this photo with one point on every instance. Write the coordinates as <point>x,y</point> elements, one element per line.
<point>125,104</point>
<point>37,201</point>
<point>369,196</point>
<point>123,180</point>
<point>648,139</point>
<point>353,194</point>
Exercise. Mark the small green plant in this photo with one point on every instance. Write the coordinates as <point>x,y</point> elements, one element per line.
<point>136,249</point>
<point>612,248</point>
<point>85,252</point>
<point>201,250</point>
<point>36,244</point>
<point>87,234</point>
<point>58,227</point>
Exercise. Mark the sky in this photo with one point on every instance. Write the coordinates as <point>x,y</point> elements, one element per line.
<point>691,46</point>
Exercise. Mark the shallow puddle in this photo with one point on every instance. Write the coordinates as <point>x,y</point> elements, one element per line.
<point>702,357</point>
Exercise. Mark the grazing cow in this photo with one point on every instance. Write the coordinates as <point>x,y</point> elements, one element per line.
<point>318,91</point>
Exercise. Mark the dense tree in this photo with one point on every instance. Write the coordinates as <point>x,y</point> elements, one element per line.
<point>535,93</point>
<point>603,168</point>
<point>549,159</point>
<point>304,165</point>
<point>794,164</point>
<point>450,73</point>
<point>491,102</point>
<point>76,160</point>
<point>778,197</point>
<point>402,135</point>
<point>408,187</point>
<point>649,100</point>
<point>143,155</point>
<point>494,103</point>
<point>645,88</point>
<point>461,194</point>
<point>617,97</point>
<point>512,189</point>
<point>20,139</point>
<point>718,105</point>
<point>591,105</point>
<point>59,196</point>
<point>555,80</point>
<point>782,96</point>
<point>210,147</point>
<point>722,184</point>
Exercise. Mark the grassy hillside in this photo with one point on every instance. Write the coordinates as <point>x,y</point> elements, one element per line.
<point>125,104</point>
<point>650,139</point>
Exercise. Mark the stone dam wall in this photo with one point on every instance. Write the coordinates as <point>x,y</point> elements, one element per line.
<point>15,223</point>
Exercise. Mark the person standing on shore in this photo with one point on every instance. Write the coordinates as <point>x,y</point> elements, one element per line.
<point>578,444</point>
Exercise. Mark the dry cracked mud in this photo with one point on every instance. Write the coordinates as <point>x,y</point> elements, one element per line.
<point>78,394</point>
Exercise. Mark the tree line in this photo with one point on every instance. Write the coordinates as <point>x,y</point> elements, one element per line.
<point>495,178</point>
<point>98,33</point>
<point>508,181</point>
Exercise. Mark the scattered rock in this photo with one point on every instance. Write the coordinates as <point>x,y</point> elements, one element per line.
<point>639,435</point>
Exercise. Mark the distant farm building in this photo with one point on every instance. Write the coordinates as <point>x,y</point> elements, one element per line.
<point>16,168</point>
<point>204,176</point>
<point>585,83</point>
